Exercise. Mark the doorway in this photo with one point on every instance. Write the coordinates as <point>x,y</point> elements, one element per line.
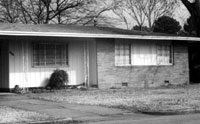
<point>4,70</point>
<point>194,62</point>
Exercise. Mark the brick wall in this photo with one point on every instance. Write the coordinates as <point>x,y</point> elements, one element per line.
<point>110,75</point>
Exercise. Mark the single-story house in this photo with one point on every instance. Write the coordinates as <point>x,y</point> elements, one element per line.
<point>98,56</point>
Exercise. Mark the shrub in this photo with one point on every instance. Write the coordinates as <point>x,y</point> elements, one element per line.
<point>58,79</point>
<point>166,24</point>
<point>17,89</point>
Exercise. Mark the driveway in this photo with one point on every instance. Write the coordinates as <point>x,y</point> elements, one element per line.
<point>91,114</point>
<point>85,113</point>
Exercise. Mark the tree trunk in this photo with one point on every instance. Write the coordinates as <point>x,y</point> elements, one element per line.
<point>194,9</point>
<point>197,20</point>
<point>197,17</point>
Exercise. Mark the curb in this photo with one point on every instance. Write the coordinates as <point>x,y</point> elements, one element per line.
<point>170,112</point>
<point>62,121</point>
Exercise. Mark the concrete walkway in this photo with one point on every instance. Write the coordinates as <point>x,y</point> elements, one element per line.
<point>62,110</point>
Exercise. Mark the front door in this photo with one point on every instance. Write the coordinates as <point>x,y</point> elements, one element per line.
<point>4,83</point>
<point>194,62</point>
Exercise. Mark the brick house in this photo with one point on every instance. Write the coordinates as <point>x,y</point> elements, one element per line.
<point>98,56</point>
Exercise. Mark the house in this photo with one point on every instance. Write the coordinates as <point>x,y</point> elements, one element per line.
<point>98,56</point>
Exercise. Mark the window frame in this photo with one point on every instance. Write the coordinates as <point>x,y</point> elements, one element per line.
<point>124,53</point>
<point>53,65</point>
<point>156,43</point>
<point>171,53</point>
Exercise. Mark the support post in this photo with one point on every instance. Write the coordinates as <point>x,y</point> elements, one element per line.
<point>86,63</point>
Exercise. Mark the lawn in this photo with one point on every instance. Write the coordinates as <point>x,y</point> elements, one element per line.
<point>179,99</point>
<point>12,115</point>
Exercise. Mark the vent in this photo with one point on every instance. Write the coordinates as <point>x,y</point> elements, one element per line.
<point>125,84</point>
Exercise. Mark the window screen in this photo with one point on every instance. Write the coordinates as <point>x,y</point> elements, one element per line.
<point>123,54</point>
<point>143,53</point>
<point>50,54</point>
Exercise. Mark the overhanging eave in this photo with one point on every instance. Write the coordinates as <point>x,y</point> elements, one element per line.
<point>90,35</point>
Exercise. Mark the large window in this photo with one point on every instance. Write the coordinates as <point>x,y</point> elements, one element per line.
<point>50,54</point>
<point>141,53</point>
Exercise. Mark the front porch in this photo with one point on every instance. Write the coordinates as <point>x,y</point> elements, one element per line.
<point>29,66</point>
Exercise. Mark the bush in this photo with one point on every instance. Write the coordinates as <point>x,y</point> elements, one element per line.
<point>58,79</point>
<point>166,24</point>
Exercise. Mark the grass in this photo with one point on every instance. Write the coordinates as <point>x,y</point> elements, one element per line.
<point>12,115</point>
<point>156,100</point>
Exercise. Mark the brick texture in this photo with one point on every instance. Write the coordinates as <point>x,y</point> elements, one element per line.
<point>110,75</point>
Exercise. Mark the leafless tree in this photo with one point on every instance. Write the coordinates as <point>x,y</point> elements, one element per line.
<point>47,11</point>
<point>95,13</point>
<point>144,11</point>
<point>84,12</point>
<point>119,11</point>
<point>9,11</point>
<point>153,9</point>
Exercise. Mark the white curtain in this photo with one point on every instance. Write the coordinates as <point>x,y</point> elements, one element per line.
<point>122,54</point>
<point>143,53</point>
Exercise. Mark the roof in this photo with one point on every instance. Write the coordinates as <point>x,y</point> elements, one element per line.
<point>52,30</point>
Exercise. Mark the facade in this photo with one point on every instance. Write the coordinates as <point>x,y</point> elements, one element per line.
<point>99,57</point>
<point>150,65</point>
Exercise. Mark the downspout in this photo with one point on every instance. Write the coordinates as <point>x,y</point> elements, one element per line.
<point>26,62</point>
<point>23,66</point>
<point>86,64</point>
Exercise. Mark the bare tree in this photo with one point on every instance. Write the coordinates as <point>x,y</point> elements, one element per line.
<point>144,11</point>
<point>9,11</point>
<point>95,13</point>
<point>119,11</point>
<point>47,11</point>
<point>40,11</point>
<point>153,9</point>
<point>135,10</point>
<point>84,12</point>
<point>31,11</point>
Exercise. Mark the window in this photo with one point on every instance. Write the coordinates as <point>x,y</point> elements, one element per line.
<point>122,54</point>
<point>143,53</point>
<point>50,54</point>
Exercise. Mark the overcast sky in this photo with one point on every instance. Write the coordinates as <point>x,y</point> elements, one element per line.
<point>181,14</point>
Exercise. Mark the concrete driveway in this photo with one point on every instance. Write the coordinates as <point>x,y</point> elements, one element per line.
<point>63,110</point>
<point>91,114</point>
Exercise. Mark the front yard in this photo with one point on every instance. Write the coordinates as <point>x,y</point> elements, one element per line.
<point>12,115</point>
<point>171,100</point>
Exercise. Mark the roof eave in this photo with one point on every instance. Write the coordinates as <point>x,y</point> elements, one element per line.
<point>90,35</point>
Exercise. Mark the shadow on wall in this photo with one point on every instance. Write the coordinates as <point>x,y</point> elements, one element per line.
<point>45,82</point>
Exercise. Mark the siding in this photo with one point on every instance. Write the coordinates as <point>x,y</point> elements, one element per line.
<point>23,74</point>
<point>92,64</point>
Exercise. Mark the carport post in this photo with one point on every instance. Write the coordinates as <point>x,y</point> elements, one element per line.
<point>86,63</point>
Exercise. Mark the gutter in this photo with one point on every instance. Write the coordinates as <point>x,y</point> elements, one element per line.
<point>91,35</point>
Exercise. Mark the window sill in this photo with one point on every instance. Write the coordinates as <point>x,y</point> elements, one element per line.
<point>53,66</point>
<point>144,65</point>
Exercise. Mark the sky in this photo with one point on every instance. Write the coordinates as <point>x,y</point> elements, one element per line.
<point>181,14</point>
